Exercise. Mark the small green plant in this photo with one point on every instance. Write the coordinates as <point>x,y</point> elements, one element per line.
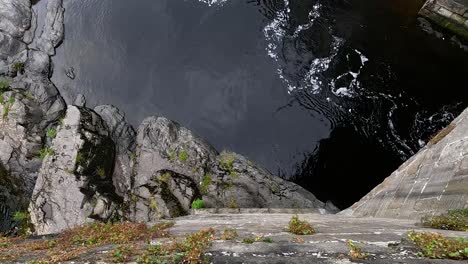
<point>24,222</point>
<point>438,247</point>
<point>229,234</point>
<point>44,152</point>
<point>355,251</point>
<point>18,67</point>
<point>267,240</point>
<point>198,203</point>
<point>165,177</point>
<point>248,240</point>
<point>205,183</point>
<point>172,155</point>
<point>7,106</point>
<point>4,85</point>
<point>233,203</point>
<point>453,220</point>
<point>300,227</point>
<point>51,133</point>
<point>121,253</point>
<point>189,250</point>
<point>183,156</point>
<point>101,172</point>
<point>79,158</point>
<point>133,156</point>
<point>227,163</point>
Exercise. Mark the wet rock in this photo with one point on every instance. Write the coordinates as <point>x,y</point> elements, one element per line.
<point>75,181</point>
<point>431,182</point>
<point>124,137</point>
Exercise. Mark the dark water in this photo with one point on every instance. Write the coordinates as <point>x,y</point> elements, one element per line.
<point>335,94</point>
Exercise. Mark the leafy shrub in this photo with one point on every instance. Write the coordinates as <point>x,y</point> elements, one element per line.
<point>436,246</point>
<point>454,220</point>
<point>198,203</point>
<point>300,227</point>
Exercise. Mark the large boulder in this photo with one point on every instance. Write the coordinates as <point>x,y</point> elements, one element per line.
<point>170,160</point>
<point>174,167</point>
<point>431,182</point>
<point>75,182</point>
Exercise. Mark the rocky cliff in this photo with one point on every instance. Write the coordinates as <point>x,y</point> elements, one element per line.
<point>69,165</point>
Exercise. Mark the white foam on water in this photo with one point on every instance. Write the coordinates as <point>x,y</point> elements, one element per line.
<point>213,2</point>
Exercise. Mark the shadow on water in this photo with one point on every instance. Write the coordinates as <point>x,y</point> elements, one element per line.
<point>335,94</point>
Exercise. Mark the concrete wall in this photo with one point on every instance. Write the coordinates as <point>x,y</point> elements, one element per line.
<point>431,182</point>
<point>450,14</point>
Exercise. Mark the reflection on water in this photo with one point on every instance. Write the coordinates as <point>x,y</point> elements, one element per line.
<point>327,91</point>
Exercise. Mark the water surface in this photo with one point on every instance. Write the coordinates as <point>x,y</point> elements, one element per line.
<point>335,94</point>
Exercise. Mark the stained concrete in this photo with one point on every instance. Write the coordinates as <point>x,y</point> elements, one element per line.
<point>450,14</point>
<point>431,182</point>
<point>327,246</point>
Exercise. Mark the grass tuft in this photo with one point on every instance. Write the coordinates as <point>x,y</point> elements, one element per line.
<point>300,227</point>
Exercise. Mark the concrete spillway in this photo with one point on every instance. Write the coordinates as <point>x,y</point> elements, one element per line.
<point>450,14</point>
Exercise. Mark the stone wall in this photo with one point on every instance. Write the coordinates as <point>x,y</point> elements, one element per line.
<point>431,182</point>
<point>450,14</point>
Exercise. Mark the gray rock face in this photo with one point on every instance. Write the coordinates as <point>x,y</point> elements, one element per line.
<point>165,150</point>
<point>431,182</point>
<point>124,137</point>
<point>75,182</point>
<point>20,141</point>
<point>239,183</point>
<point>174,167</point>
<point>15,17</point>
<point>52,33</point>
